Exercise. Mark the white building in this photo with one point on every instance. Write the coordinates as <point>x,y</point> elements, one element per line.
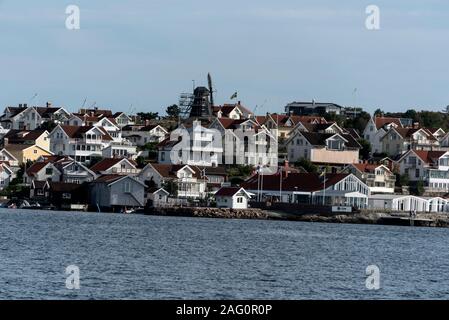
<point>141,135</point>
<point>407,203</point>
<point>30,118</point>
<point>195,146</point>
<point>376,128</point>
<point>377,177</point>
<point>231,197</point>
<point>246,142</point>
<point>188,181</point>
<point>80,143</point>
<point>323,148</point>
<point>338,189</point>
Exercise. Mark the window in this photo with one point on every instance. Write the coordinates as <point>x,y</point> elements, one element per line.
<point>40,192</point>
<point>66,196</point>
<point>127,187</point>
<point>49,171</point>
<point>35,151</point>
<point>240,200</point>
<point>417,173</point>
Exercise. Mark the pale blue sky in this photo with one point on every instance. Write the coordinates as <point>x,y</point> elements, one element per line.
<point>147,52</point>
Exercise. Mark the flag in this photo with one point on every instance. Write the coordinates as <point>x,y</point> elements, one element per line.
<point>234,95</point>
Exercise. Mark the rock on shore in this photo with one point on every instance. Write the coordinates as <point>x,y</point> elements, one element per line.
<point>223,213</point>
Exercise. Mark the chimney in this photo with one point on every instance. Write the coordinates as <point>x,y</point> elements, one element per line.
<point>25,105</point>
<point>5,141</point>
<point>238,103</point>
<point>48,104</point>
<point>147,122</point>
<point>20,105</point>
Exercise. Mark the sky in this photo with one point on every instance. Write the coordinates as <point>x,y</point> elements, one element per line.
<point>138,56</point>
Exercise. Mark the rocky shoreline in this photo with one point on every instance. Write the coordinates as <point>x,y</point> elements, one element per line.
<point>421,220</point>
<point>219,213</point>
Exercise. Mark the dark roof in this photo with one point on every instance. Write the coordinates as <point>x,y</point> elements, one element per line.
<point>218,170</point>
<point>64,187</point>
<point>35,168</point>
<point>169,170</point>
<point>227,191</point>
<point>21,136</point>
<point>96,112</point>
<point>305,182</point>
<point>319,139</point>
<point>78,131</point>
<point>107,163</point>
<point>108,178</point>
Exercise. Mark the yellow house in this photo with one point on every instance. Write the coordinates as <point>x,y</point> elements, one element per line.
<point>39,138</point>
<point>23,152</point>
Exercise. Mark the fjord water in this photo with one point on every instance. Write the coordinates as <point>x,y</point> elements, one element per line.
<point>143,257</point>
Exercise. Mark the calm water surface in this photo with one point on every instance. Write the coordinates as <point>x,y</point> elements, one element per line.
<point>142,257</point>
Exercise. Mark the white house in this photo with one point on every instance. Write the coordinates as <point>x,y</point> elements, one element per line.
<point>6,175</point>
<point>187,180</point>
<point>141,135</point>
<point>336,189</point>
<point>195,145</point>
<point>399,140</point>
<point>323,148</point>
<point>246,142</point>
<point>157,197</point>
<point>116,166</point>
<point>376,128</point>
<point>231,197</point>
<point>80,143</point>
<point>377,177</point>
<point>232,111</point>
<point>30,118</point>
<point>116,191</point>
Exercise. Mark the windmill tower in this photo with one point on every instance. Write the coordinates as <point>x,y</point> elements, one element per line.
<point>199,104</point>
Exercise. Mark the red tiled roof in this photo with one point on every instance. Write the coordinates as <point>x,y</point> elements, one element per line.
<point>35,168</point>
<point>429,156</point>
<point>366,167</point>
<point>382,121</point>
<point>78,131</point>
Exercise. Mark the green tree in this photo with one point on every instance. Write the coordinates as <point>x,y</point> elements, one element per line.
<point>365,152</point>
<point>420,188</point>
<point>173,111</point>
<point>379,112</point>
<point>148,115</point>
<point>171,187</point>
<point>404,180</point>
<point>307,165</point>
